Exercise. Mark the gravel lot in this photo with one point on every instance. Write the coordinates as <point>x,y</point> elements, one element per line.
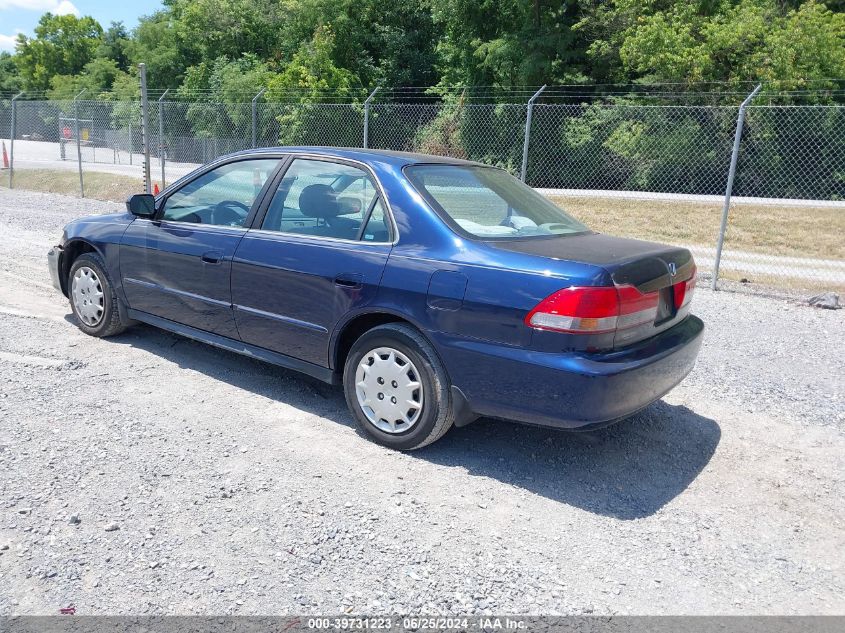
<point>150,474</point>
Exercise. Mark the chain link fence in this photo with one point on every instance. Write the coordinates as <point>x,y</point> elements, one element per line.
<point>786,225</point>
<point>644,171</point>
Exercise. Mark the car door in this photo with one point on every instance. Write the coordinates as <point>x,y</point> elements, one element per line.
<point>178,264</point>
<point>318,252</point>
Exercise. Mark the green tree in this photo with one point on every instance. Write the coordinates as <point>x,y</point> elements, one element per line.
<point>381,41</point>
<point>232,83</point>
<point>97,78</point>
<point>808,44</point>
<point>229,28</point>
<point>508,43</point>
<point>401,41</point>
<point>115,45</point>
<point>443,136</point>
<point>312,73</point>
<point>10,79</point>
<point>63,45</point>
<point>156,43</point>
<point>310,78</point>
<point>126,87</point>
<point>784,42</point>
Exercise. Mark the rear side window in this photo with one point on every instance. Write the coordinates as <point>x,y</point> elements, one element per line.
<point>377,229</point>
<point>489,203</point>
<point>327,199</point>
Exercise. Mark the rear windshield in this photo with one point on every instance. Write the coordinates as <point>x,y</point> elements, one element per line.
<point>489,203</point>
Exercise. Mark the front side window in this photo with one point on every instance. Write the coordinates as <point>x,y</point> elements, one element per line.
<point>489,203</point>
<point>327,199</point>
<point>222,196</point>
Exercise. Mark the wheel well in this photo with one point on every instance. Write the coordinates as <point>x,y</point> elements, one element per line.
<point>72,250</point>
<point>353,330</point>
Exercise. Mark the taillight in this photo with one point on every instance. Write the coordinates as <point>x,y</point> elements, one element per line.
<point>593,310</point>
<point>683,290</point>
<point>600,309</point>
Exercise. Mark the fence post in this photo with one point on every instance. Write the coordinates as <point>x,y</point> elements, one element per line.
<point>528,115</point>
<point>145,126</point>
<point>740,119</point>
<point>78,145</point>
<point>255,117</point>
<point>161,135</point>
<point>367,117</point>
<point>12,133</point>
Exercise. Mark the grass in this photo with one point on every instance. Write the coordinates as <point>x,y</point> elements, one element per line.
<point>767,229</point>
<point>98,185</point>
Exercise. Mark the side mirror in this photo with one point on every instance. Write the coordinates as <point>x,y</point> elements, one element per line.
<point>141,204</point>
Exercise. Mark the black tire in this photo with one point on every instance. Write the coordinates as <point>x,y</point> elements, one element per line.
<point>437,413</point>
<point>109,323</point>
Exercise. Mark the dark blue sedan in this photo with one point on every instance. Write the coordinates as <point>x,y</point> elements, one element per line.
<point>435,290</point>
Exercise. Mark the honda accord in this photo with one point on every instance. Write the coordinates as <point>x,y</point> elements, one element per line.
<point>435,290</point>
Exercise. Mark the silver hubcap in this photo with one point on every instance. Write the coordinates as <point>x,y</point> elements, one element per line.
<point>389,390</point>
<point>87,293</point>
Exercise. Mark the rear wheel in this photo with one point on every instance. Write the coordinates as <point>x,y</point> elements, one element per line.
<point>92,297</point>
<point>397,388</point>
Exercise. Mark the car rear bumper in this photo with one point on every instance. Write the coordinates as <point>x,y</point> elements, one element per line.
<point>54,256</point>
<point>570,390</point>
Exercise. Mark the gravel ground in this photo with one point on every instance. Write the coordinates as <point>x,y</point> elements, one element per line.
<point>150,474</point>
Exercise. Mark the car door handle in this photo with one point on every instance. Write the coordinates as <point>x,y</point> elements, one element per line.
<point>212,257</point>
<point>349,280</point>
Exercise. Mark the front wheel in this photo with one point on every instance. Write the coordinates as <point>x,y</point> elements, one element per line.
<point>92,297</point>
<point>397,388</point>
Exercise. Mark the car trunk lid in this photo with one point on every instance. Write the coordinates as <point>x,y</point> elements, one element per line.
<point>660,278</point>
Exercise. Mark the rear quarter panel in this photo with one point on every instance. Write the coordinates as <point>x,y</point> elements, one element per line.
<point>443,282</point>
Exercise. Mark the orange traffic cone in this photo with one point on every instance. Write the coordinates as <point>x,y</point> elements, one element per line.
<point>5,157</point>
<point>155,189</point>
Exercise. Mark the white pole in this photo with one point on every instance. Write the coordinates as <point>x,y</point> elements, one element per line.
<point>161,135</point>
<point>740,119</point>
<point>367,117</point>
<point>78,146</point>
<point>528,115</point>
<point>13,133</point>
<point>255,117</point>
<point>145,126</point>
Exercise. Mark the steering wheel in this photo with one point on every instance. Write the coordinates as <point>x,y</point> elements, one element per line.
<point>229,213</point>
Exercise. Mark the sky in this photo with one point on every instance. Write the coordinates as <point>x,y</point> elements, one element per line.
<point>21,16</point>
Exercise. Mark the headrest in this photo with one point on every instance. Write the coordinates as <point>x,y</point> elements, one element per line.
<point>319,201</point>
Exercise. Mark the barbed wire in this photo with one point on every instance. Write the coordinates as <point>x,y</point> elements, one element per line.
<point>707,92</point>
